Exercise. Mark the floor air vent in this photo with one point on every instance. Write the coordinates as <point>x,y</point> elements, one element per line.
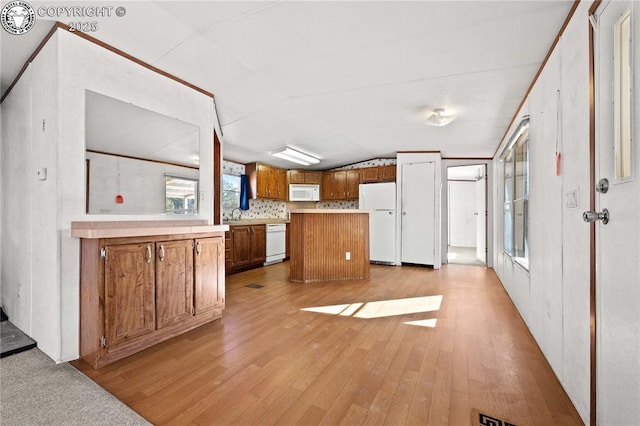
<point>254,286</point>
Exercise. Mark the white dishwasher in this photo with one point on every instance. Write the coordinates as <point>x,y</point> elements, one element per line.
<point>276,242</point>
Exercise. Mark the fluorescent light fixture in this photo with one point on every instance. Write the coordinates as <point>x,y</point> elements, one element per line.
<point>295,156</point>
<point>439,118</point>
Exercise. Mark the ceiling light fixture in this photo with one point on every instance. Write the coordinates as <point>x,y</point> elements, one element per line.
<point>439,118</point>
<point>295,156</point>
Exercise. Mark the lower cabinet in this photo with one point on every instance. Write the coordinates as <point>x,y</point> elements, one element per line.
<point>248,247</point>
<point>135,293</point>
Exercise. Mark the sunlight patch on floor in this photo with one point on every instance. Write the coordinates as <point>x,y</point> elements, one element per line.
<point>424,323</point>
<point>383,308</point>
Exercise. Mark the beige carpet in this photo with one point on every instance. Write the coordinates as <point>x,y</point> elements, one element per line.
<point>34,390</point>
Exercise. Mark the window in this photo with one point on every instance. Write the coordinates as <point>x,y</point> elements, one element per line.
<point>515,160</point>
<point>181,195</point>
<point>230,192</point>
<point>622,99</point>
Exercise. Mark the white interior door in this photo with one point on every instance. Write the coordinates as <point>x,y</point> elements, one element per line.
<point>481,216</point>
<point>618,241</point>
<point>418,213</point>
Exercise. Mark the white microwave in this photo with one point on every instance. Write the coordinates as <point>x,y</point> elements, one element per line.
<point>302,192</point>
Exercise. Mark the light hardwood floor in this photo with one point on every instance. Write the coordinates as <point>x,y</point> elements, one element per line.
<point>270,362</point>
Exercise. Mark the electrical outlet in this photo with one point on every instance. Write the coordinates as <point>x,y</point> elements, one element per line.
<point>347,255</point>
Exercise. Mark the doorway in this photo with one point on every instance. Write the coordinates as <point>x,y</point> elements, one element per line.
<point>467,215</point>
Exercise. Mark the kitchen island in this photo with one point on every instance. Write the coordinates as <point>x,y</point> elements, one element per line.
<point>329,244</point>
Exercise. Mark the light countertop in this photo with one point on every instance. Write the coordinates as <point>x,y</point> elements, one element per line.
<point>117,229</point>
<point>255,221</point>
<point>332,211</point>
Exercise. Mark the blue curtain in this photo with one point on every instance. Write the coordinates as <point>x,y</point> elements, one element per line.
<point>244,192</point>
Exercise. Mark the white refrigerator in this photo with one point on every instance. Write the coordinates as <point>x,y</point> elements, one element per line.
<point>380,200</point>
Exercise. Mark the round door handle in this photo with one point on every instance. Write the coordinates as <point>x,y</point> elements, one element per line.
<point>590,216</point>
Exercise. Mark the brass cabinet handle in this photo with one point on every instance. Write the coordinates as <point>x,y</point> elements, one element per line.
<point>198,248</point>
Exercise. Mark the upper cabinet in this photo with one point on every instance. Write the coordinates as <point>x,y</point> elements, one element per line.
<point>379,174</point>
<point>340,185</point>
<point>267,181</point>
<point>304,176</point>
<point>272,183</point>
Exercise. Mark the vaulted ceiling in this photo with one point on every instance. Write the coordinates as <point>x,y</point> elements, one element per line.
<point>345,81</point>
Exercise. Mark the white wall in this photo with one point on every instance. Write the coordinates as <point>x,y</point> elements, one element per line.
<point>141,183</point>
<point>43,254</point>
<point>462,206</point>
<point>553,296</point>
<point>30,286</point>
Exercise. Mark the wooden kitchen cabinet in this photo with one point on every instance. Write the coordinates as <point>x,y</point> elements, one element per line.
<point>209,277</point>
<point>129,292</point>
<point>328,188</point>
<point>369,174</point>
<point>340,185</point>
<point>136,292</point>
<point>378,174</point>
<point>352,185</point>
<point>267,181</point>
<point>304,176</point>
<point>296,176</point>
<point>387,173</point>
<point>248,247</point>
<point>174,281</point>
<point>258,244</point>
<point>240,246</point>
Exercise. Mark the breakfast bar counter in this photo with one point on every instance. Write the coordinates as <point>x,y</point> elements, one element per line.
<point>329,244</point>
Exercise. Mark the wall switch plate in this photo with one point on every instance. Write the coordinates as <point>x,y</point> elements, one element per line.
<point>571,199</point>
<point>347,255</point>
<point>41,173</point>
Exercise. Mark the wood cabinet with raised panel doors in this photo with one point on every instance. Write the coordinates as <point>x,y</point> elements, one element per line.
<point>138,291</point>
<point>247,247</point>
<point>304,177</point>
<point>340,185</point>
<point>267,181</point>
<point>378,174</point>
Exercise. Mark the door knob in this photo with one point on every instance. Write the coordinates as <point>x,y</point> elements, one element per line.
<point>595,216</point>
<point>603,186</point>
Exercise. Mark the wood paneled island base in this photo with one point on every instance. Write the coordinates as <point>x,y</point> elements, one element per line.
<point>329,245</point>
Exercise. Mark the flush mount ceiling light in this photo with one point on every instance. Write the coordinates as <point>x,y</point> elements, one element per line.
<point>439,118</point>
<point>295,156</point>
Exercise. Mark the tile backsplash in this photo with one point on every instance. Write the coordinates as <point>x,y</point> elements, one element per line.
<point>270,209</point>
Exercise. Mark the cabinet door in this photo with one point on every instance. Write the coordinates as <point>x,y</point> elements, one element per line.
<point>129,292</point>
<point>262,181</point>
<point>328,187</point>
<point>340,182</point>
<point>370,174</point>
<point>387,173</point>
<point>258,243</point>
<point>313,177</point>
<point>241,242</point>
<point>281,184</point>
<point>297,176</point>
<point>352,184</point>
<point>174,282</point>
<point>209,281</point>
